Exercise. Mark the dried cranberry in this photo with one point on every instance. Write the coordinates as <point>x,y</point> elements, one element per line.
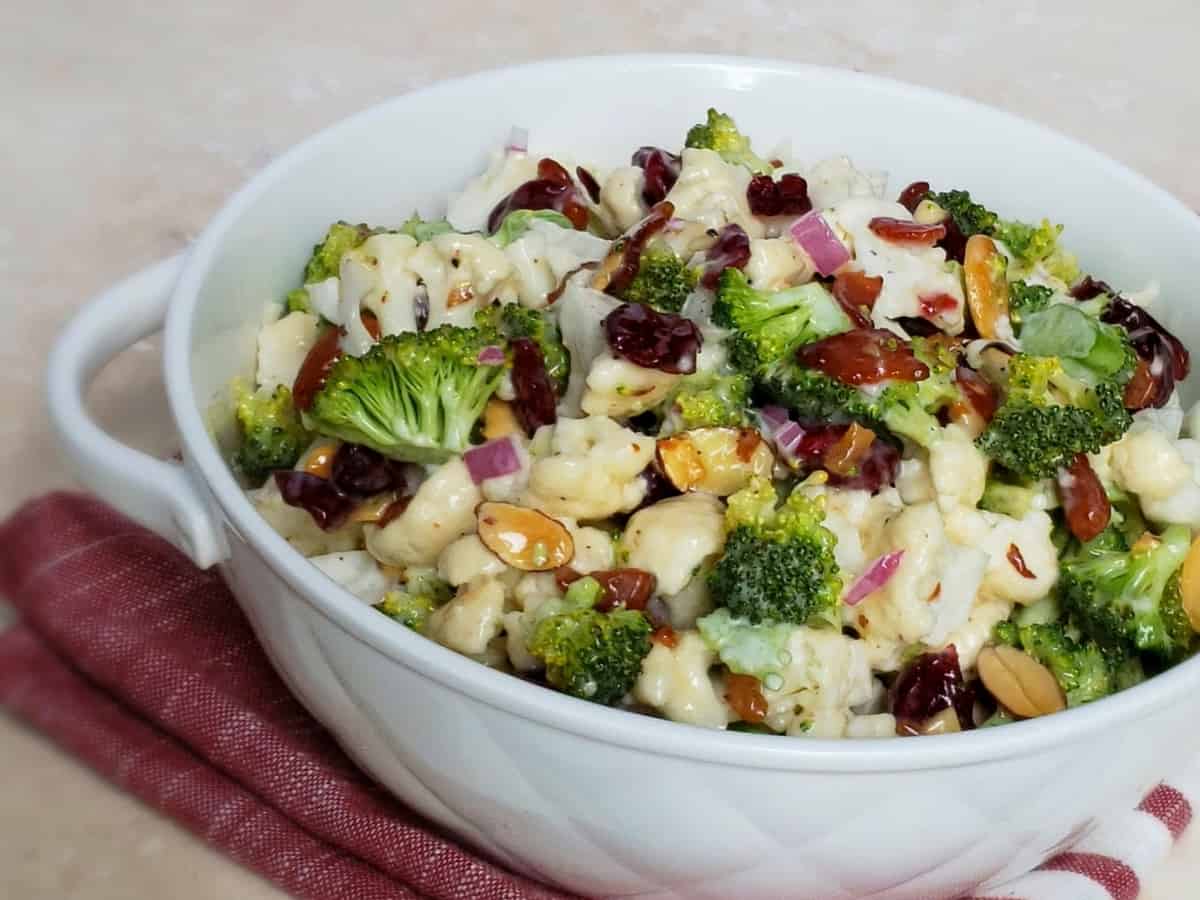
<point>856,293</point>
<point>786,197</point>
<point>954,242</point>
<point>1141,388</point>
<point>1164,353</point>
<point>977,391</point>
<point>359,471</point>
<point>1084,499</point>
<point>916,326</point>
<point>630,588</point>
<point>930,683</point>
<point>1089,287</point>
<point>628,249</point>
<point>661,170</point>
<point>934,305</point>
<point>731,251</point>
<point>863,356</point>
<point>875,470</point>
<point>653,340</point>
<point>315,368</point>
<point>552,189</point>
<point>658,487</point>
<point>744,695</point>
<point>536,401</point>
<point>900,231</point>
<point>318,497</point>
<point>589,183</point>
<point>911,197</point>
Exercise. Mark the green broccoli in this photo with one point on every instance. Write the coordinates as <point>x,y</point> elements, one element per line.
<point>326,258</point>
<point>1014,498</point>
<point>517,223</point>
<point>423,593</point>
<point>1026,299</point>
<point>709,400</point>
<point>590,654</point>
<point>768,326</point>
<point>512,321</point>
<point>663,280</point>
<point>414,396</point>
<point>778,564</point>
<point>1048,417</point>
<point>1089,350</point>
<point>272,436</point>
<point>970,217</point>
<point>1128,598</point>
<point>1082,668</point>
<point>421,230</point>
<point>748,649</point>
<point>720,133</point>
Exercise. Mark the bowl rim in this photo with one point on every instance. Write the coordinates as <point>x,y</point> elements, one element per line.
<point>547,707</point>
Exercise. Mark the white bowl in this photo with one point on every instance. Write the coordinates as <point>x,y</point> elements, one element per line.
<point>596,800</point>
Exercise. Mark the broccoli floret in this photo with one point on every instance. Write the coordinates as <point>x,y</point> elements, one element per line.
<point>590,654</point>
<point>970,217</point>
<point>1026,299</point>
<point>512,321</point>
<point>517,223</point>
<point>327,256</point>
<point>423,593</point>
<point>720,133</point>
<point>1082,668</point>
<point>909,409</point>
<point>1048,417</point>
<point>421,230</point>
<point>1128,599</point>
<point>709,400</point>
<point>778,564</point>
<point>769,325</point>
<point>272,435</point>
<point>413,396</point>
<point>663,280</point>
<point>748,649</point>
<point>1016,499</point>
<point>1089,350</point>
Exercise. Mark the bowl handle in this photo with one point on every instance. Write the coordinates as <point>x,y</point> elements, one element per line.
<point>160,495</point>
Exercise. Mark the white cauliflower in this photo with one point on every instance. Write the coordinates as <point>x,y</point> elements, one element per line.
<point>468,211</point>
<point>535,588</point>
<point>592,470</point>
<point>507,488</point>
<point>461,272</point>
<point>358,572</point>
<point>1148,463</point>
<point>777,263</point>
<point>581,309</point>
<point>827,676</point>
<point>689,604</point>
<point>618,388</point>
<point>674,537</point>
<point>297,527</point>
<point>470,621</point>
<point>969,638</point>
<point>545,255</point>
<point>376,276</point>
<point>997,535</point>
<point>713,192</point>
<point>676,682</point>
<point>621,204</point>
<point>466,558</point>
<point>442,510</point>
<point>282,347</point>
<point>876,725</point>
<point>914,482</point>
<point>832,181</point>
<point>909,273</point>
<point>855,517</point>
<point>593,548</point>
<point>958,468</point>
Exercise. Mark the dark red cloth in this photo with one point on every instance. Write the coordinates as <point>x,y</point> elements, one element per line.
<point>144,667</point>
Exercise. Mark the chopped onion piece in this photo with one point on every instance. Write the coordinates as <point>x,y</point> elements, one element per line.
<point>495,459</point>
<point>817,239</point>
<point>879,572</point>
<point>490,356</point>
<point>518,140</point>
<point>773,416</point>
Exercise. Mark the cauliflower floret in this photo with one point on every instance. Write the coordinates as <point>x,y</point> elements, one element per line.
<point>535,588</point>
<point>713,192</point>
<point>676,682</point>
<point>777,263</point>
<point>827,676</point>
<point>545,255</point>
<point>470,621</point>
<point>358,572</point>
<point>442,510</point>
<point>618,388</point>
<point>689,604</point>
<point>970,637</point>
<point>877,725</point>
<point>282,347</point>
<point>297,527</point>
<point>506,172</point>
<point>958,468</point>
<point>1169,419</point>
<point>467,557</point>
<point>376,277</point>
<point>1163,473</point>
<point>855,518</point>
<point>909,273</point>
<point>621,204</point>
<point>1191,420</point>
<point>581,309</point>
<point>831,181</point>
<point>592,471</point>
<point>914,482</point>
<point>462,272</point>
<point>997,535</point>
<point>593,548</point>
<point>674,537</point>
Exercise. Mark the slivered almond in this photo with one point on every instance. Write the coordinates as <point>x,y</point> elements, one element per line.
<point>680,461</point>
<point>718,461</point>
<point>372,510</point>
<point>524,538</point>
<point>320,460</point>
<point>1189,585</point>
<point>1019,682</point>
<point>987,287</point>
<point>499,419</point>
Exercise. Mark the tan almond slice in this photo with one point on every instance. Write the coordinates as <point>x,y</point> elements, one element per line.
<point>1189,585</point>
<point>986,285</point>
<point>524,538</point>
<point>1019,682</point>
<point>680,461</point>
<point>499,419</point>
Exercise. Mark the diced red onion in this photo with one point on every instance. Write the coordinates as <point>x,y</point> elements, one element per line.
<point>778,428</point>
<point>817,239</point>
<point>518,140</point>
<point>879,572</point>
<point>495,459</point>
<point>773,416</point>
<point>490,356</point>
<point>675,225</point>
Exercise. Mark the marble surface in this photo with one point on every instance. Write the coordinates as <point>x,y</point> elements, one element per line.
<point>126,124</point>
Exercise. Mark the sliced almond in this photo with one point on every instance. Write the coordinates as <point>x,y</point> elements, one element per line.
<point>945,722</point>
<point>680,461</point>
<point>1189,585</point>
<point>372,510</point>
<point>499,419</point>
<point>1019,682</point>
<point>987,288</point>
<point>320,460</point>
<point>609,266</point>
<point>524,538</point>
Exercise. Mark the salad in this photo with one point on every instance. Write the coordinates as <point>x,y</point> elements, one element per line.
<point>738,442</point>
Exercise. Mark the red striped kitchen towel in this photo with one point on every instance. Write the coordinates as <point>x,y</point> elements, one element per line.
<point>144,667</point>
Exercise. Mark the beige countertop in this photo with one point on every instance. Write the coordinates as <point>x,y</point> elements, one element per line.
<point>126,124</point>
